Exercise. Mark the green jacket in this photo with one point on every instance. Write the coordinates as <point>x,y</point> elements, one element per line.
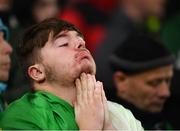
<point>42,110</point>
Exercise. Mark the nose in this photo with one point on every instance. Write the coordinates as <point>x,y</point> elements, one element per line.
<point>80,43</point>
<point>7,48</point>
<point>164,90</point>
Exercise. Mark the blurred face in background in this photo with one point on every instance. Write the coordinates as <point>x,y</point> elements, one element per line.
<point>45,9</point>
<point>4,5</point>
<point>152,7</point>
<point>147,91</point>
<point>5,51</point>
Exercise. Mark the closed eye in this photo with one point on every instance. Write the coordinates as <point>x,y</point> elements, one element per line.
<point>154,83</point>
<point>63,45</point>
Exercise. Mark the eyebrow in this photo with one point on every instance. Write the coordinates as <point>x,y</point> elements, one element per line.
<point>60,35</point>
<point>64,34</point>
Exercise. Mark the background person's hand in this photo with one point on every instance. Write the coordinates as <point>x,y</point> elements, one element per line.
<point>89,108</point>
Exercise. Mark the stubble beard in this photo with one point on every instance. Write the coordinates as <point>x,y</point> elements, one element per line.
<point>52,77</point>
<point>88,68</point>
<point>50,74</point>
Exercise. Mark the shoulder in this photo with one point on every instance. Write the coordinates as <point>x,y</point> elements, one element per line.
<point>23,113</point>
<point>122,118</point>
<point>29,102</point>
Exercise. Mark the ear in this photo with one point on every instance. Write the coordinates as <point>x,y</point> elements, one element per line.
<point>37,73</point>
<point>120,81</point>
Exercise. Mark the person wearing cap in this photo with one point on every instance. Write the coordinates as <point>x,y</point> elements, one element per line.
<point>142,72</point>
<point>5,61</point>
<point>130,16</point>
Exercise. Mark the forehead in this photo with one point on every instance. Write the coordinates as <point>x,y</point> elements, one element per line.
<point>161,72</point>
<point>68,32</point>
<point>65,33</point>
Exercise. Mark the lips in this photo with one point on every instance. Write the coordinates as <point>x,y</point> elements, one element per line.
<point>5,65</point>
<point>82,55</point>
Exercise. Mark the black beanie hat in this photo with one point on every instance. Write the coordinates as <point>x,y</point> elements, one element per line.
<point>139,53</point>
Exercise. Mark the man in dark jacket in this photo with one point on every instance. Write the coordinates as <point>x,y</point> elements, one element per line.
<point>142,72</point>
<point>129,17</point>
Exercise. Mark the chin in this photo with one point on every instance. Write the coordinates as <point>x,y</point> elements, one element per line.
<point>4,77</point>
<point>156,109</point>
<point>85,69</point>
<point>88,68</point>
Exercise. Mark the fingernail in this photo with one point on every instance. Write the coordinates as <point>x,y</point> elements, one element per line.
<point>99,83</point>
<point>83,74</point>
<point>77,80</point>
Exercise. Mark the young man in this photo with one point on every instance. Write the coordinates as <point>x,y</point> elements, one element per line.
<point>66,93</point>
<point>5,51</point>
<point>143,69</point>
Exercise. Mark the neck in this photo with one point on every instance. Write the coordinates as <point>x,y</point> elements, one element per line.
<point>68,93</point>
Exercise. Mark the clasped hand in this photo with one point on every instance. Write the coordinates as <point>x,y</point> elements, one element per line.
<point>91,109</point>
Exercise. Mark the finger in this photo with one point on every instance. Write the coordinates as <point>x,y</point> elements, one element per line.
<point>79,91</point>
<point>97,91</point>
<point>103,94</point>
<point>83,80</point>
<point>76,110</point>
<point>75,106</point>
<point>94,80</point>
<point>105,105</point>
<point>91,87</point>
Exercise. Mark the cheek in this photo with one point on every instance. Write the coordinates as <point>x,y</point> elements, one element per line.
<point>4,75</point>
<point>65,64</point>
<point>147,94</point>
<point>141,91</point>
<point>93,63</point>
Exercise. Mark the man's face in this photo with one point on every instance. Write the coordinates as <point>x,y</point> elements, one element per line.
<point>45,9</point>
<point>152,7</point>
<point>65,57</point>
<point>5,51</point>
<point>149,90</point>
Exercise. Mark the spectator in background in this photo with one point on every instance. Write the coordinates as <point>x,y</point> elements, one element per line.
<point>34,11</point>
<point>142,73</point>
<point>129,17</point>
<point>5,51</point>
<point>27,13</point>
<point>5,7</point>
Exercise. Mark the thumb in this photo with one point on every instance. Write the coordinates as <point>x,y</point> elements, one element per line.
<point>106,115</point>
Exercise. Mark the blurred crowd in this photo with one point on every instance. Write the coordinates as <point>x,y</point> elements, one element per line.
<point>106,24</point>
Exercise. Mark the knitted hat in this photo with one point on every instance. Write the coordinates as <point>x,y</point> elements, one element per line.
<point>4,29</point>
<point>139,53</point>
